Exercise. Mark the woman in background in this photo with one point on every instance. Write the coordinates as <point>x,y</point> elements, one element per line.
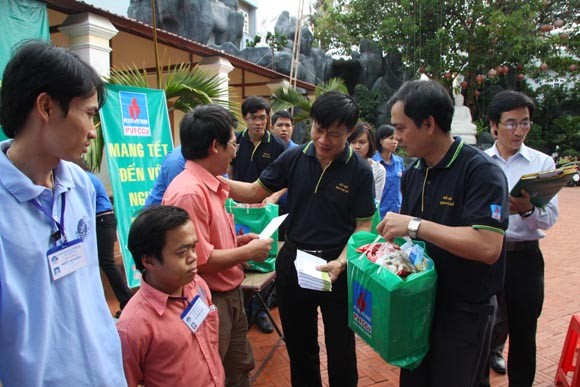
<point>362,141</point>
<point>394,166</point>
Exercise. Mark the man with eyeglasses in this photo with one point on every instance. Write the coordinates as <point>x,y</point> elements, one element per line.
<point>258,147</point>
<point>208,146</point>
<point>510,117</point>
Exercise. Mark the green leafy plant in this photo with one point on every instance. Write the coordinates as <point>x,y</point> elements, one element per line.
<point>292,99</point>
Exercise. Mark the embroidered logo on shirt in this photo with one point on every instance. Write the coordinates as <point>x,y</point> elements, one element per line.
<point>82,228</point>
<point>447,200</point>
<point>266,155</point>
<point>495,211</point>
<point>343,187</point>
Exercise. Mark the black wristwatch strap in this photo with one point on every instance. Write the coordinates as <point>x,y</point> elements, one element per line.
<point>528,213</point>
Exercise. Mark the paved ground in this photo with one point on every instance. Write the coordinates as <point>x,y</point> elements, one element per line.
<point>562,300</point>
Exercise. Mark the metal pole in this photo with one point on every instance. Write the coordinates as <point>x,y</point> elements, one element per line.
<point>157,67</point>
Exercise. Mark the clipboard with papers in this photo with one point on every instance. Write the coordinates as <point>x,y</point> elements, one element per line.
<point>543,186</point>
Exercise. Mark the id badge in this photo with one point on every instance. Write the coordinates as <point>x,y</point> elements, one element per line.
<point>195,313</point>
<point>66,259</point>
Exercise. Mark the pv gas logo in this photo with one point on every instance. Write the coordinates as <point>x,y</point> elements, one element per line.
<point>134,114</point>
<point>362,305</point>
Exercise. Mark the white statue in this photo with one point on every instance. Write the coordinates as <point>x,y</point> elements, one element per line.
<point>461,124</point>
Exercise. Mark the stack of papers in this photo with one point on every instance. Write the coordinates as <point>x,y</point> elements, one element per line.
<point>308,276</point>
<point>543,186</point>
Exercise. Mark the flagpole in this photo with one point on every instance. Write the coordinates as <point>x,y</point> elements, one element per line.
<point>157,68</point>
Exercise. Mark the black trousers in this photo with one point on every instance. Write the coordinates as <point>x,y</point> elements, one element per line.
<point>459,346</point>
<point>524,297</point>
<point>106,235</point>
<point>299,315</point>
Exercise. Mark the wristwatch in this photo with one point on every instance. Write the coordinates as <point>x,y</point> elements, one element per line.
<point>413,227</point>
<point>527,213</point>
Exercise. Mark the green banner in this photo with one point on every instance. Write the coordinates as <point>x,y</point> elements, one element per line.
<point>137,137</point>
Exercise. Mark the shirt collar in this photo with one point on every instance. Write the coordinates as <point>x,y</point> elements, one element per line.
<point>267,136</point>
<point>158,300</point>
<point>21,187</point>
<point>447,160</point>
<point>210,181</point>
<point>344,157</point>
<point>524,152</point>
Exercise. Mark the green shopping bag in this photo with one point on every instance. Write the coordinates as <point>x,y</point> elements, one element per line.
<point>391,314</point>
<point>252,218</point>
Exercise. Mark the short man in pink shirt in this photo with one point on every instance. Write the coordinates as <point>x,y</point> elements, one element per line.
<point>169,329</point>
<point>208,145</point>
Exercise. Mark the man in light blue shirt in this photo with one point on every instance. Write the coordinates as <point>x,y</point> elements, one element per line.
<point>172,166</point>
<point>510,117</point>
<point>55,325</point>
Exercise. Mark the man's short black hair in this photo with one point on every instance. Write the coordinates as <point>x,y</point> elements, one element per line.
<point>37,67</point>
<point>332,107</point>
<point>361,128</point>
<point>507,100</point>
<point>383,132</point>
<point>148,230</point>
<point>424,99</point>
<point>282,114</point>
<point>252,104</point>
<point>201,126</point>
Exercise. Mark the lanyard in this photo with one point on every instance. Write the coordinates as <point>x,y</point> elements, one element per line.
<point>59,225</point>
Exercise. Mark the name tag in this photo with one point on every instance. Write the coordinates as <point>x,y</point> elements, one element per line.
<point>66,259</point>
<point>195,313</point>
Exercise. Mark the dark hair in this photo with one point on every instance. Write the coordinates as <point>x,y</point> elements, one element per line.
<point>332,107</point>
<point>37,67</point>
<point>383,132</point>
<point>282,114</point>
<point>148,230</point>
<point>507,100</point>
<point>364,128</point>
<point>424,99</point>
<point>253,104</point>
<point>201,126</point>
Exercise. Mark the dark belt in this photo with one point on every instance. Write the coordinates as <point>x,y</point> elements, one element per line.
<point>105,213</point>
<point>328,253</point>
<point>522,246</point>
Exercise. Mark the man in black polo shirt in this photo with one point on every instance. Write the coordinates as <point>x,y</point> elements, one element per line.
<point>455,198</point>
<point>330,196</point>
<point>257,146</point>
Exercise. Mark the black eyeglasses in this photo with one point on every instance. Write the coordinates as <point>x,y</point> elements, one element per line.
<point>234,144</point>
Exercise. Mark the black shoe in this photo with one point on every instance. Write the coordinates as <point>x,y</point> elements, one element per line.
<point>264,323</point>
<point>497,363</point>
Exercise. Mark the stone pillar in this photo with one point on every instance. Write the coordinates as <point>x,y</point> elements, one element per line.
<point>275,84</point>
<point>221,67</point>
<point>89,36</point>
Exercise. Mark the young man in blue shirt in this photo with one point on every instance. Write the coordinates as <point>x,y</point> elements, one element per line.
<point>55,325</point>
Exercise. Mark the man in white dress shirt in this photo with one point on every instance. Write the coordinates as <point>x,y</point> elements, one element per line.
<point>510,117</point>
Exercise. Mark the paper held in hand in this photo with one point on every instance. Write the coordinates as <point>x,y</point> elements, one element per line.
<point>272,226</point>
<point>308,276</point>
<point>543,186</point>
